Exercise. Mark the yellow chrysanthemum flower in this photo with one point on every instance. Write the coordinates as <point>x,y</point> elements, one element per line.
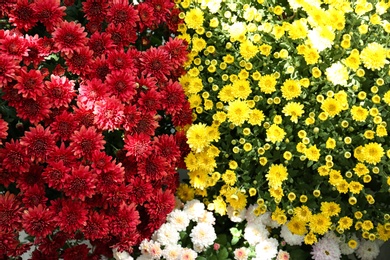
<point>198,179</point>
<point>313,153</point>
<point>353,60</point>
<point>331,106</point>
<point>194,18</point>
<point>355,187</point>
<point>229,177</point>
<point>267,84</point>
<point>277,173</point>
<point>197,137</point>
<point>241,89</point>
<point>359,113</point>
<point>361,169</point>
<point>310,238</point>
<point>303,213</point>
<point>330,143</point>
<point>219,206</point>
<point>320,223</point>
<point>298,29</point>
<point>238,112</point>
<point>335,177</point>
<point>293,109</point>
<point>256,117</point>
<point>383,233</point>
<point>373,153</point>
<point>279,216</point>
<point>291,89</point>
<point>248,50</point>
<point>297,226</point>
<point>277,193</point>
<point>345,223</point>
<point>275,133</point>
<point>185,192</point>
<point>330,208</point>
<point>374,56</point>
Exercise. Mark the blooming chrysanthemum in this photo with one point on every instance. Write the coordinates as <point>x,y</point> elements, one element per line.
<point>293,109</point>
<point>238,112</point>
<point>99,68</point>
<point>155,62</point>
<point>38,221</point>
<point>368,249</point>
<point>275,133</point>
<point>146,15</point>
<point>14,157</point>
<point>3,130</point>
<point>121,35</point>
<point>267,84</point>
<point>109,114</point>
<point>10,212</point>
<point>203,235</point>
<point>14,45</point>
<point>34,196</point>
<point>49,12</point>
<point>327,249</point>
<point>95,10</point>
<point>69,37</point>
<point>331,106</point>
<point>142,193</point>
<point>286,232</point>
<point>166,147</point>
<point>63,154</point>
<point>125,221</point>
<point>313,153</point>
<point>277,173</point>
<point>290,89</point>
<point>36,52</point>
<point>92,91</point>
<point>80,183</point>
<point>97,226</point>
<point>197,136</point>
<point>320,223</point>
<point>29,83</point>
<point>160,205</point>
<point>79,60</point>
<point>85,141</point>
<point>54,174</point>
<point>38,143</point>
<point>121,12</point>
<point>72,215</point>
<point>78,251</point>
<point>177,50</point>
<point>100,43</point>
<point>373,153</point>
<point>121,84</point>
<point>374,56</point>
<point>22,15</point>
<point>359,113</point>
<point>8,67</point>
<point>138,145</point>
<point>60,91</point>
<point>119,60</point>
<point>194,18</point>
<point>173,97</point>
<point>267,249</point>
<point>152,167</point>
<point>184,117</point>
<point>109,179</point>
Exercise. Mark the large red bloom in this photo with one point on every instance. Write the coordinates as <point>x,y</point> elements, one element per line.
<point>95,10</point>
<point>22,15</point>
<point>177,50</point>
<point>147,124</point>
<point>38,221</point>
<point>54,174</point>
<point>14,157</point>
<point>78,252</point>
<point>10,212</point>
<point>36,52</point>
<point>138,145</point>
<point>97,226</point>
<point>32,177</point>
<point>62,154</point>
<point>125,221</point>
<point>117,194</point>
<point>121,12</point>
<point>160,204</point>
<point>161,9</point>
<point>110,178</point>
<point>173,98</point>
<point>85,141</point>
<point>91,91</point>
<point>131,117</point>
<point>49,12</point>
<point>153,167</point>
<point>101,161</point>
<point>34,110</point>
<point>146,15</point>
<point>141,190</point>
<point>80,183</point>
<point>100,43</point>
<point>122,35</point>
<point>83,115</point>
<point>155,62</point>
<point>14,45</point>
<point>69,37</point>
<point>121,85</point>
<point>149,101</point>
<point>9,243</point>
<point>184,116</point>
<point>29,83</point>
<point>72,216</point>
<point>60,91</point>
<point>34,196</point>
<point>8,67</point>
<point>99,68</point>
<point>38,142</point>
<point>63,126</point>
<point>166,147</point>
<point>109,114</point>
<point>119,60</point>
<point>79,61</point>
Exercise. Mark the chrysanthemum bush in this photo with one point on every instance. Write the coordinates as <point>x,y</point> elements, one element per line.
<point>291,104</point>
<point>90,128</point>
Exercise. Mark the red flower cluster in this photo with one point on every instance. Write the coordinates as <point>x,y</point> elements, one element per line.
<point>89,142</point>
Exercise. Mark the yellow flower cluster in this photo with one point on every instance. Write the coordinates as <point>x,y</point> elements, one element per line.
<point>291,105</point>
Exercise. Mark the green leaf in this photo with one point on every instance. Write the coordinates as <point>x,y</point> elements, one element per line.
<point>235,240</point>
<point>201,258</point>
<point>235,232</point>
<point>223,254</point>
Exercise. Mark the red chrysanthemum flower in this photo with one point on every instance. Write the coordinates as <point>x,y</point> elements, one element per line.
<point>142,190</point>
<point>85,141</point>
<point>183,117</point>
<point>78,252</point>
<point>54,174</point>
<point>155,62</point>
<point>50,13</point>
<point>14,45</point>
<point>80,183</point>
<point>149,101</point>
<point>121,12</point>
<point>173,97</point>
<point>32,177</point>
<point>3,130</point>
<point>49,246</point>
<point>129,163</point>
<point>14,157</point>
<point>36,52</point>
<point>9,241</point>
<point>99,68</point>
<point>146,15</point>
<point>147,125</point>
<point>34,196</point>
<point>131,117</point>
<point>125,221</point>
<point>60,91</point>
<point>101,161</point>
<point>121,85</point>
<point>29,83</point>
<point>92,91</point>
<point>38,142</point>
<point>122,35</point>
<point>8,67</point>
<point>138,145</point>
<point>84,116</point>
<point>100,43</point>
<point>177,50</point>
<point>95,10</point>
<point>22,15</point>
<point>161,9</point>
<point>119,60</point>
<point>38,221</point>
<point>109,114</point>
<point>62,154</point>
<point>117,194</point>
<point>11,95</point>
<point>10,212</point>
<point>34,110</point>
<point>69,37</point>
<point>79,61</point>
<point>97,226</point>
<point>166,147</point>
<point>48,45</point>
<point>5,7</point>
<point>184,148</point>
<point>160,204</point>
<point>109,178</point>
<point>72,216</point>
<point>173,20</point>
<point>6,177</point>
<point>63,126</point>
<point>153,167</point>
<point>170,182</point>
<point>94,26</point>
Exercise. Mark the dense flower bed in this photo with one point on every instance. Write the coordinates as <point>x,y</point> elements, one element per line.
<point>91,124</point>
<point>291,107</point>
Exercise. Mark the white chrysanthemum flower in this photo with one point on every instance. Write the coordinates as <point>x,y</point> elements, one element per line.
<point>241,253</point>
<point>255,232</point>
<point>172,252</point>
<point>179,220</point>
<point>266,220</point>
<point>234,215</point>
<point>250,215</point>
<point>167,235</point>
<point>337,74</point>
<point>150,249</point>
<point>368,250</point>
<point>326,249</point>
<point>267,249</point>
<point>237,29</point>
<point>194,209</point>
<point>203,235</point>
<point>317,41</point>
<point>188,254</point>
<point>290,238</point>
<point>207,217</point>
<point>121,255</point>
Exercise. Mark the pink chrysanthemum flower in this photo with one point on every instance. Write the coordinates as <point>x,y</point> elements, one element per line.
<point>109,114</point>
<point>92,91</point>
<point>60,91</point>
<point>38,143</point>
<point>49,12</point>
<point>69,37</point>
<point>22,15</point>
<point>85,141</point>
<point>121,85</point>
<point>29,83</point>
